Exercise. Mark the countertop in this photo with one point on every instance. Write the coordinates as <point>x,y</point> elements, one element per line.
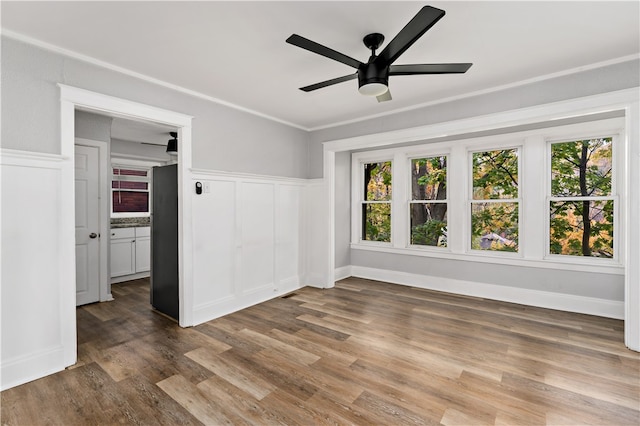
<point>130,222</point>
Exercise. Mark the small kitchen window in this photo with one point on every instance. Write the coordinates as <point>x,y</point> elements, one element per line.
<point>130,191</point>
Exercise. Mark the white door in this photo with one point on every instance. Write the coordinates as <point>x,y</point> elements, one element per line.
<point>87,167</point>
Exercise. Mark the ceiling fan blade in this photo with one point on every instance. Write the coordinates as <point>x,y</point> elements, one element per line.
<point>429,69</point>
<point>329,82</point>
<point>386,96</point>
<point>314,47</point>
<point>424,19</point>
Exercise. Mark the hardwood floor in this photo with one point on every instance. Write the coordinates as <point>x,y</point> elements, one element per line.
<point>362,353</point>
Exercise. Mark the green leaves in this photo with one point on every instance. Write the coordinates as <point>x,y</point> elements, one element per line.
<point>494,225</point>
<point>377,181</point>
<point>495,174</point>
<point>582,170</point>
<point>376,216</point>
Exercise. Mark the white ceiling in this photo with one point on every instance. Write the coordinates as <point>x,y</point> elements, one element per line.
<point>236,52</point>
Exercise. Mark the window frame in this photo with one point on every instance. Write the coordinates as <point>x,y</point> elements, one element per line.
<point>409,158</point>
<point>129,164</point>
<point>495,146</point>
<point>359,197</point>
<point>588,134</point>
<point>533,221</point>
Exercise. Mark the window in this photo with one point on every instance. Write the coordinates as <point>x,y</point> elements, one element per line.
<point>581,202</point>
<point>428,204</point>
<point>376,202</point>
<point>494,203</point>
<point>544,198</point>
<point>130,191</point>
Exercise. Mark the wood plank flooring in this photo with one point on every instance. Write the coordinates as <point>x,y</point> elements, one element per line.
<point>365,353</point>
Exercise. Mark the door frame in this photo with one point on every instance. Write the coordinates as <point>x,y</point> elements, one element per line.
<point>72,98</point>
<point>104,293</point>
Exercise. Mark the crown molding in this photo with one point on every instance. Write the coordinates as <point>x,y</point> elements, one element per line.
<point>97,62</point>
<point>485,91</point>
<point>88,59</point>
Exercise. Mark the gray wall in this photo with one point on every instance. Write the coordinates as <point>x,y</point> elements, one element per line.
<point>601,80</point>
<point>93,126</point>
<point>223,138</point>
<point>139,150</point>
<point>602,286</point>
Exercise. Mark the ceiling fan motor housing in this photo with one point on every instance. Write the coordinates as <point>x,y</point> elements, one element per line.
<point>373,73</point>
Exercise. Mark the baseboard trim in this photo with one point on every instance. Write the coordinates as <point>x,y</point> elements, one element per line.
<point>342,273</point>
<point>232,303</point>
<point>31,367</point>
<point>315,280</point>
<point>542,299</point>
<point>123,278</point>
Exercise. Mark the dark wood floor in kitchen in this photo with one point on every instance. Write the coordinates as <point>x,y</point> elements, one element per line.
<point>364,352</point>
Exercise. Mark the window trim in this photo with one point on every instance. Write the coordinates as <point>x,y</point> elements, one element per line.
<point>409,158</point>
<point>358,198</point>
<point>470,200</point>
<point>533,239</point>
<point>125,163</point>
<point>617,136</point>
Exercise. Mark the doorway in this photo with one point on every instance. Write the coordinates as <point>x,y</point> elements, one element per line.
<point>90,160</point>
<point>73,98</point>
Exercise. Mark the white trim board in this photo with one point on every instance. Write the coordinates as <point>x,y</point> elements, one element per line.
<point>221,174</point>
<point>125,278</point>
<point>522,296</point>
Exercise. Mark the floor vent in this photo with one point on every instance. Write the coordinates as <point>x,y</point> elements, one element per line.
<point>286,296</point>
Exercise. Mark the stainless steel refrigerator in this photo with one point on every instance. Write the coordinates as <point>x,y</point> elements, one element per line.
<point>164,241</point>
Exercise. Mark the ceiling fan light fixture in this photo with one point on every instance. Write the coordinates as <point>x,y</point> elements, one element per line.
<point>373,89</point>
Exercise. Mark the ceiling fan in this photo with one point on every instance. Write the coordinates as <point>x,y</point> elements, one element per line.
<point>373,76</point>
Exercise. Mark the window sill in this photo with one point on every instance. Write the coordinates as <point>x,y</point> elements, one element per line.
<point>600,266</point>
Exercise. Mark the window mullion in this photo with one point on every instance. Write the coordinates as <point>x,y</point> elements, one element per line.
<point>532,194</point>
<point>458,230</point>
<point>399,206</point>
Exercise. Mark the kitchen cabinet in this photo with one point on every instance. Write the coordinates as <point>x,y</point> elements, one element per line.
<point>143,249</point>
<point>130,251</point>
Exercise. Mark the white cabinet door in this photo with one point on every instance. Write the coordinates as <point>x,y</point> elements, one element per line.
<point>143,254</point>
<point>123,260</point>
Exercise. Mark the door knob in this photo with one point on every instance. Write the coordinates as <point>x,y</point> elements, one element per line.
<point>93,235</point>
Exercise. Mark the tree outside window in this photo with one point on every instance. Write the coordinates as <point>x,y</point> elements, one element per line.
<point>428,205</point>
<point>376,204</point>
<point>494,203</point>
<point>581,206</point>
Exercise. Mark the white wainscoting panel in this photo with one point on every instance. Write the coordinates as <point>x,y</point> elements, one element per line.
<point>316,213</point>
<point>247,232</point>
<point>257,237</point>
<point>288,236</point>
<point>31,327</point>
<point>214,246</point>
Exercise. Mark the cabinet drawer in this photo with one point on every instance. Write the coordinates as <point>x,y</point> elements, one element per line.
<point>143,231</point>
<point>122,233</point>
